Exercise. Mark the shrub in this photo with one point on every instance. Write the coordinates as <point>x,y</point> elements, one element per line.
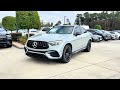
<point>98,27</point>
<point>15,36</point>
<point>22,39</point>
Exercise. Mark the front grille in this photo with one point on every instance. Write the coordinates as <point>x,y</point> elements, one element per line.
<point>2,39</point>
<point>39,45</point>
<point>2,36</point>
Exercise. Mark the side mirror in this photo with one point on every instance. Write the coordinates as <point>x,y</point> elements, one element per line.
<point>86,31</point>
<point>77,33</point>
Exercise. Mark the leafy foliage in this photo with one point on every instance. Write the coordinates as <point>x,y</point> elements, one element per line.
<point>9,23</point>
<point>98,27</point>
<point>68,22</point>
<point>58,23</point>
<point>15,36</point>
<point>0,25</point>
<point>78,19</point>
<point>47,24</point>
<point>51,24</point>
<point>27,20</point>
<point>22,39</point>
<point>107,20</point>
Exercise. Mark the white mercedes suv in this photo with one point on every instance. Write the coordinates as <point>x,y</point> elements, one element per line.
<point>59,43</point>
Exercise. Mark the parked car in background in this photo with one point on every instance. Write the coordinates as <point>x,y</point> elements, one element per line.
<point>114,36</point>
<point>59,43</point>
<point>117,34</point>
<point>99,32</point>
<point>5,38</point>
<point>33,31</point>
<point>43,30</point>
<point>95,38</point>
<point>22,31</point>
<point>108,34</point>
<point>117,31</point>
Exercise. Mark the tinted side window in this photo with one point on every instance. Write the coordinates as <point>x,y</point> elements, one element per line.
<point>82,30</point>
<point>77,29</point>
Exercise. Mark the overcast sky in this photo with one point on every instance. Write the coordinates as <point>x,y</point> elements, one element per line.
<point>50,16</point>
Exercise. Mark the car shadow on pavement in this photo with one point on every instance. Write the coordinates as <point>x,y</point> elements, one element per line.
<point>77,54</point>
<point>1,47</point>
<point>42,60</point>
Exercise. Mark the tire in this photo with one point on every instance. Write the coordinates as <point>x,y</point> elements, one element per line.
<point>119,38</point>
<point>92,40</point>
<point>98,40</point>
<point>88,48</point>
<point>67,53</point>
<point>105,39</point>
<point>10,45</point>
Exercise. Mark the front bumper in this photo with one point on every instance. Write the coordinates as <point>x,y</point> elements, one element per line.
<point>95,40</point>
<point>5,42</point>
<point>49,53</point>
<point>106,38</point>
<point>113,37</point>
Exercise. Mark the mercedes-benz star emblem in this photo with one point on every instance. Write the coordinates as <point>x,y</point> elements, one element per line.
<point>34,44</point>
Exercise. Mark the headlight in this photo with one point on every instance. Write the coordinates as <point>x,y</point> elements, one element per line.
<point>53,43</point>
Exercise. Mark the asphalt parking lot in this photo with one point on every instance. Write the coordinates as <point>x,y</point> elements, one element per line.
<point>103,62</point>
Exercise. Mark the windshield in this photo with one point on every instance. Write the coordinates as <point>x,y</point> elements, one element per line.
<point>61,30</point>
<point>99,31</point>
<point>92,31</point>
<point>112,32</point>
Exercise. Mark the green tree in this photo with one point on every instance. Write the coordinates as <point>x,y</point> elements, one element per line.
<point>98,27</point>
<point>28,20</point>
<point>107,20</point>
<point>68,21</point>
<point>51,24</point>
<point>47,24</point>
<point>58,23</point>
<point>9,23</point>
<point>78,19</point>
<point>42,23</point>
<point>86,17</point>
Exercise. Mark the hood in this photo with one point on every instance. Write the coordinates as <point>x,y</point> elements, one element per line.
<point>97,36</point>
<point>49,37</point>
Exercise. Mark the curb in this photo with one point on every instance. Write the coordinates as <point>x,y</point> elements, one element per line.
<point>17,46</point>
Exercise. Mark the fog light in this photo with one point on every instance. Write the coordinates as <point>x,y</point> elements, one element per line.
<point>53,53</point>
